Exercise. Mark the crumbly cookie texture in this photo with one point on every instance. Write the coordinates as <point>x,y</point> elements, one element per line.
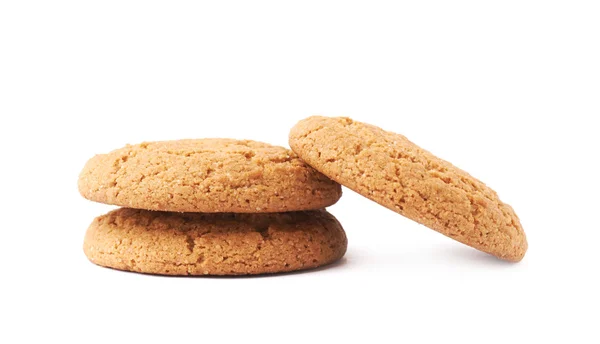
<point>206,175</point>
<point>214,244</point>
<point>394,172</point>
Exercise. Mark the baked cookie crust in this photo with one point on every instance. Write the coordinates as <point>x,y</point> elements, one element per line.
<point>206,175</point>
<point>214,244</point>
<point>391,170</point>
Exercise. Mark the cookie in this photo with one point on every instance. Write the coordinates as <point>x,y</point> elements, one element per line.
<point>214,244</point>
<point>206,175</point>
<point>394,172</point>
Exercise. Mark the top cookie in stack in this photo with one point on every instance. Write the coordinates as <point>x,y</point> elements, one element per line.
<point>207,175</point>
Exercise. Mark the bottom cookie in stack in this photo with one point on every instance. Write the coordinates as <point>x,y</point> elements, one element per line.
<point>168,243</point>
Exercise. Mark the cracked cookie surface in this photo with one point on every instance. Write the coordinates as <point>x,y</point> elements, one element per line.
<point>206,175</point>
<point>394,172</point>
<point>214,244</point>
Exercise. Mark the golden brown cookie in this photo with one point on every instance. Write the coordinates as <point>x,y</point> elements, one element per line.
<point>214,244</point>
<point>394,172</point>
<point>206,175</point>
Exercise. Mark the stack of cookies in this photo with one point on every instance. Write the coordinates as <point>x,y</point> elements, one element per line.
<point>228,207</point>
<point>210,207</point>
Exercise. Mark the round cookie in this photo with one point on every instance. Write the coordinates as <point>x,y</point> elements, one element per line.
<point>214,244</point>
<point>206,175</point>
<point>394,172</point>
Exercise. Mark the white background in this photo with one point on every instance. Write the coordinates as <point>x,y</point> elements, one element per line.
<point>507,90</point>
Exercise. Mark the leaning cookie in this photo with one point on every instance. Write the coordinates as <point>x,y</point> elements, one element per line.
<point>206,175</point>
<point>214,244</point>
<point>394,172</point>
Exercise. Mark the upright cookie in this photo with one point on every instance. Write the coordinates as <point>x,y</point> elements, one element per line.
<point>394,172</point>
<point>214,244</point>
<point>206,175</point>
